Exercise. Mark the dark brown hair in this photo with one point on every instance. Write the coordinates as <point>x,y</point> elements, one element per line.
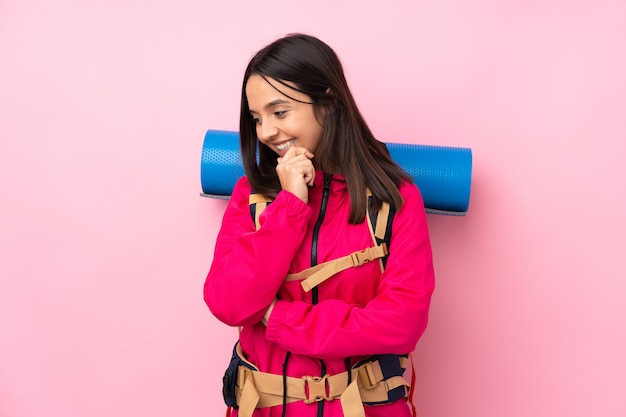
<point>347,145</point>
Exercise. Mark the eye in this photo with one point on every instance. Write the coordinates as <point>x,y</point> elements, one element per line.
<point>280,113</point>
<point>255,120</point>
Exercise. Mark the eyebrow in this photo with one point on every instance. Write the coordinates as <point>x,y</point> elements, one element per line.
<point>272,104</point>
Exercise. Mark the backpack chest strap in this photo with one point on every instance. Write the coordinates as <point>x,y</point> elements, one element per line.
<point>314,276</point>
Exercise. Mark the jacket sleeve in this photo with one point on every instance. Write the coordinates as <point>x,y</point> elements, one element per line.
<point>246,272</point>
<point>392,322</point>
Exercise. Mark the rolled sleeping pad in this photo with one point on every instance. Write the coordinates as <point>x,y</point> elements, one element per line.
<point>443,174</point>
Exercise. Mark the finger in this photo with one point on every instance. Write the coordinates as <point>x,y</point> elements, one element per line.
<point>309,177</point>
<point>297,167</point>
<point>291,152</point>
<point>297,151</point>
<point>303,151</point>
<point>295,161</point>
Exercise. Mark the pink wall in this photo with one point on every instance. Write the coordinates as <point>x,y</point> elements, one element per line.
<point>105,242</point>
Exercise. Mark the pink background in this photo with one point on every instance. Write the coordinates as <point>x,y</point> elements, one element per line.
<point>105,243</point>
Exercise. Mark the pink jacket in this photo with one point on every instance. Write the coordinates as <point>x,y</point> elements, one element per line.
<point>360,311</point>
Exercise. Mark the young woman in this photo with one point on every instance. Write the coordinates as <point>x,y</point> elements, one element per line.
<point>334,344</point>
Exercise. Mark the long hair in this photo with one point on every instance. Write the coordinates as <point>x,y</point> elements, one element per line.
<point>347,145</point>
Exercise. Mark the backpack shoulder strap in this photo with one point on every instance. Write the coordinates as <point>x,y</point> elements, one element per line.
<point>380,223</point>
<point>258,203</point>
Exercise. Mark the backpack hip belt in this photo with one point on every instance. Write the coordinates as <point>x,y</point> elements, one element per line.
<point>371,383</point>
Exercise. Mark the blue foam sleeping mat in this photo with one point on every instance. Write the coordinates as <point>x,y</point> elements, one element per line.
<point>443,174</point>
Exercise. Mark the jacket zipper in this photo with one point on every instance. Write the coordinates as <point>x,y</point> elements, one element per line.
<point>316,229</point>
<point>314,252</point>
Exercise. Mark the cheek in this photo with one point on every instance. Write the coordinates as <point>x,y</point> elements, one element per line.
<point>319,134</point>
<point>257,130</point>
<point>314,128</point>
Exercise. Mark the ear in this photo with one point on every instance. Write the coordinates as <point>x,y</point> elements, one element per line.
<point>333,100</point>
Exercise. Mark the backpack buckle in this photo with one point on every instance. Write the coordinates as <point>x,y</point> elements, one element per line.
<point>316,388</point>
<point>361,257</point>
<point>369,254</point>
<point>370,374</point>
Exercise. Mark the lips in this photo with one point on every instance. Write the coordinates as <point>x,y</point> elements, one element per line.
<point>285,145</point>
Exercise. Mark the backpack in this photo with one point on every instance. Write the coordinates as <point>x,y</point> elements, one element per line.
<point>379,222</point>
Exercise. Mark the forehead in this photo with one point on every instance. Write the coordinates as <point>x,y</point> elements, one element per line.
<point>262,92</point>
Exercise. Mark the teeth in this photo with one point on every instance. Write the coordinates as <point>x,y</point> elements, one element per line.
<point>285,145</point>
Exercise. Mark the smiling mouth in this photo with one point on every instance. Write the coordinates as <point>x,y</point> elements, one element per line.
<point>286,145</point>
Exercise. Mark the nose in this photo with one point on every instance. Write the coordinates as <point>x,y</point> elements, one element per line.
<point>266,131</point>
